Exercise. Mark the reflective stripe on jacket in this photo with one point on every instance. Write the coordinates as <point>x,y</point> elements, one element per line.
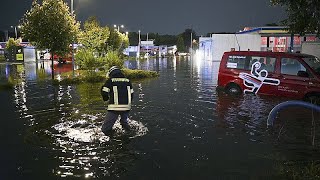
<point>119,92</point>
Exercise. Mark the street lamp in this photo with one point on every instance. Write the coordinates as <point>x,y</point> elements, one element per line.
<point>118,27</point>
<point>15,30</point>
<point>72,43</point>
<point>138,54</point>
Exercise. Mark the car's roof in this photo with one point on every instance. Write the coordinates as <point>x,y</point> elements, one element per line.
<point>265,53</point>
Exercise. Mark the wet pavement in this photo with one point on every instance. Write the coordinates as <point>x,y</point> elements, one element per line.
<point>182,128</point>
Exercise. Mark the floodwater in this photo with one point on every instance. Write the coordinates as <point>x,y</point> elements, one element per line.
<point>182,128</point>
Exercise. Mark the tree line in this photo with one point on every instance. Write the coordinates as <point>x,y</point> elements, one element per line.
<point>49,24</point>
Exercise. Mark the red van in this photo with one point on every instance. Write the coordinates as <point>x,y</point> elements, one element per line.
<point>270,73</point>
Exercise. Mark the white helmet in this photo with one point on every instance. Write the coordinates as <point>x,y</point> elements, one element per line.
<point>112,69</point>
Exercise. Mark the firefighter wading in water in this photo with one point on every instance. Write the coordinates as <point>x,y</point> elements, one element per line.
<point>118,91</point>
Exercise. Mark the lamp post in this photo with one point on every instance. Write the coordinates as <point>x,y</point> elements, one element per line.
<point>138,55</point>
<point>72,43</point>
<point>147,45</point>
<point>15,30</point>
<point>191,44</point>
<point>118,27</point>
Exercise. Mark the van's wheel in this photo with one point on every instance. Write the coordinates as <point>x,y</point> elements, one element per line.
<point>233,89</point>
<point>313,98</point>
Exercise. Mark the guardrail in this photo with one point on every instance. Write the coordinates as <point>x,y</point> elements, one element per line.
<point>273,113</point>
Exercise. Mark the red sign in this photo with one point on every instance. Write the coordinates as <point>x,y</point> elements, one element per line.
<point>297,40</point>
<point>264,40</point>
<point>311,38</point>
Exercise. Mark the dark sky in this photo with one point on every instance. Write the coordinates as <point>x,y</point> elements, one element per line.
<point>163,16</point>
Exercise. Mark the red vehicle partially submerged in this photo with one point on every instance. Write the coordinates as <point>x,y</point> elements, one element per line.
<point>63,59</point>
<point>60,59</point>
<point>292,75</point>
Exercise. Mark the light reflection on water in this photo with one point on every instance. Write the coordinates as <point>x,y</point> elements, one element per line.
<point>83,144</point>
<point>179,122</point>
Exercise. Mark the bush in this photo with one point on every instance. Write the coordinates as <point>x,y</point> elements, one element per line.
<point>139,74</point>
<point>11,44</point>
<point>2,58</point>
<point>8,83</point>
<point>87,60</point>
<point>84,76</point>
<point>113,59</point>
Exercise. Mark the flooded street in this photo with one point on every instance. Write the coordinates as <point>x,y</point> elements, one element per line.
<point>182,128</point>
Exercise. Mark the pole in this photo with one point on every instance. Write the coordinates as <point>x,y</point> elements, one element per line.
<point>72,6</point>
<point>72,43</point>
<point>191,44</point>
<point>147,45</point>
<point>52,68</point>
<point>139,44</point>
<point>291,42</point>
<point>15,30</point>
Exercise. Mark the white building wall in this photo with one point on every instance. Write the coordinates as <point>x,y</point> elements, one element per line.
<point>312,48</point>
<point>212,48</point>
<point>226,42</point>
<point>29,55</point>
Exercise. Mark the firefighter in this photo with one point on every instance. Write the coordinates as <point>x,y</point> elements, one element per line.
<point>118,92</point>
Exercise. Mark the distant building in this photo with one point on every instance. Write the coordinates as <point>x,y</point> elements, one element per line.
<point>278,38</point>
<point>149,47</point>
<point>212,48</point>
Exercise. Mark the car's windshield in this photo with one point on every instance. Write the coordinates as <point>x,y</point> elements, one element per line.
<point>313,62</point>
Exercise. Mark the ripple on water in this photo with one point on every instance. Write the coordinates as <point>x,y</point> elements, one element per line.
<point>85,151</point>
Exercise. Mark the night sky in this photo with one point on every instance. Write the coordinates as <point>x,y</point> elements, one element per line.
<point>163,16</point>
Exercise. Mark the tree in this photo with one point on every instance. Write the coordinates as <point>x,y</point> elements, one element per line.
<point>50,25</point>
<point>303,15</point>
<point>169,40</point>
<point>117,41</point>
<point>186,35</point>
<point>11,49</point>
<point>94,36</point>
<point>180,44</point>
<point>11,44</point>
<point>133,38</point>
<point>271,24</point>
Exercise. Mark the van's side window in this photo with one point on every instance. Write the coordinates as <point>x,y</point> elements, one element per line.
<point>291,66</point>
<point>236,62</point>
<point>246,62</point>
<point>267,63</point>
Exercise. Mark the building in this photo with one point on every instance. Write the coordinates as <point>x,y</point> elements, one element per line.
<point>149,47</point>
<point>212,48</point>
<point>278,38</point>
<point>275,38</point>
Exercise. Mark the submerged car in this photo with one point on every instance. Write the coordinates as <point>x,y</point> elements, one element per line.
<point>291,75</point>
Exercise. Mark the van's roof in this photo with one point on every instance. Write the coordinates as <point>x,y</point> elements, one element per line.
<point>266,53</point>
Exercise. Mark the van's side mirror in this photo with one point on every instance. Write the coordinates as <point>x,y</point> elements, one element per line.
<point>303,74</point>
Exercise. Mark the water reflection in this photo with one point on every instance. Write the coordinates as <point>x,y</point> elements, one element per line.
<point>147,64</point>
<point>179,122</point>
<point>75,136</point>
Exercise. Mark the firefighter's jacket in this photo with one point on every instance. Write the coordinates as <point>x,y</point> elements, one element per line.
<point>118,90</point>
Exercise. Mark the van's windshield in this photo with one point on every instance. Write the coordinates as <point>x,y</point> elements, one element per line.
<point>313,62</point>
